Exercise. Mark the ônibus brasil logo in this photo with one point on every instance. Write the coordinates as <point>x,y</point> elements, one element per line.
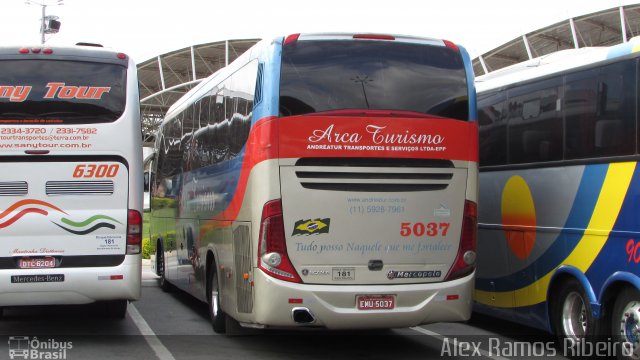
<point>25,347</point>
<point>32,206</point>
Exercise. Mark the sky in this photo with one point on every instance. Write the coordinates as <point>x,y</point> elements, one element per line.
<point>146,28</point>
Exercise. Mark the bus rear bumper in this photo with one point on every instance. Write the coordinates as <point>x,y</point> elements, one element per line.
<point>335,307</point>
<point>79,286</point>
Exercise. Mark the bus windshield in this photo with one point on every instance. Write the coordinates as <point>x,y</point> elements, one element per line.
<point>61,92</point>
<point>328,75</point>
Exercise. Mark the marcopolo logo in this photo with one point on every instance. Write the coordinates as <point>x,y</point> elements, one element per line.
<point>25,347</point>
<point>413,274</point>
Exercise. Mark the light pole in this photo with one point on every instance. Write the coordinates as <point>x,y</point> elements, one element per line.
<point>47,21</point>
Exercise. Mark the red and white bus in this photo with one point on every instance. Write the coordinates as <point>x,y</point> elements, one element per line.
<point>323,180</point>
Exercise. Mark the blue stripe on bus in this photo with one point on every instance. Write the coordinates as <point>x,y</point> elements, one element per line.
<point>578,219</point>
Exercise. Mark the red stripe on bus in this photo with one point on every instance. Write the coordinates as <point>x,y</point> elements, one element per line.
<point>21,214</point>
<point>390,137</point>
<point>315,136</point>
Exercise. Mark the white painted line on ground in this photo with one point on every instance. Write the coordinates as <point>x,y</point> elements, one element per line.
<point>156,345</point>
<point>442,337</point>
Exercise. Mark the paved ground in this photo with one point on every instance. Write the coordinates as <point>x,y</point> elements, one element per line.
<point>173,325</point>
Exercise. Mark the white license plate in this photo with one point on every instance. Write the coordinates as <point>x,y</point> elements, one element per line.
<point>37,263</point>
<point>375,302</point>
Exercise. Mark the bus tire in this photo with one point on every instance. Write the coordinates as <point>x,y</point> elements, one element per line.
<point>572,316</point>
<point>116,309</point>
<point>217,316</point>
<point>625,324</point>
<point>160,269</point>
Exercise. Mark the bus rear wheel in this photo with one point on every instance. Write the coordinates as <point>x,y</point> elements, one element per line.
<point>161,268</point>
<point>218,317</point>
<point>573,319</point>
<point>625,324</point>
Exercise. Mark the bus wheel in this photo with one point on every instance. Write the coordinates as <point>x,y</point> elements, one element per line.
<point>573,318</point>
<point>218,317</point>
<point>116,309</point>
<point>625,324</point>
<point>160,270</point>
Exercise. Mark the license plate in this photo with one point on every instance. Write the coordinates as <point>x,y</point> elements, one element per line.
<point>37,263</point>
<point>375,302</point>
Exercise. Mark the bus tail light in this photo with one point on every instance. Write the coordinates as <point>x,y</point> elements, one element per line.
<point>134,232</point>
<point>465,261</point>
<point>272,248</point>
<point>374,37</point>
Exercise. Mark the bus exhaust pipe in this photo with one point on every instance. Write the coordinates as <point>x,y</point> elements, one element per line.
<point>302,316</point>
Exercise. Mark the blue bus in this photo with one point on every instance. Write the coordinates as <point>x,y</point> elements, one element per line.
<point>559,231</point>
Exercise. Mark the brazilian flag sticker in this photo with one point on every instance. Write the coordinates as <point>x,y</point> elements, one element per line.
<point>308,227</point>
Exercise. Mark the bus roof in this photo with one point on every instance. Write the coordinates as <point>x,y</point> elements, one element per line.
<point>58,52</point>
<point>183,101</point>
<point>553,63</point>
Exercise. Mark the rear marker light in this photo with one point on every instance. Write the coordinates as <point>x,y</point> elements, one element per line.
<point>450,45</point>
<point>121,56</point>
<point>111,277</point>
<point>291,39</point>
<point>295,301</point>
<point>453,297</point>
<point>35,50</point>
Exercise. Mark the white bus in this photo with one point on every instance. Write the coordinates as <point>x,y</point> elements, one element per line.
<point>71,180</point>
<point>323,180</point>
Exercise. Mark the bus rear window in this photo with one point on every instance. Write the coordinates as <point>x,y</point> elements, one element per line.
<point>61,92</point>
<point>330,75</point>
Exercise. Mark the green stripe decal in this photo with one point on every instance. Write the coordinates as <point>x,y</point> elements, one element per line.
<point>88,221</point>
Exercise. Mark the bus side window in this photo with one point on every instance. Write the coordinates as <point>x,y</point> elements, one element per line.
<point>535,123</point>
<point>493,129</point>
<point>615,123</point>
